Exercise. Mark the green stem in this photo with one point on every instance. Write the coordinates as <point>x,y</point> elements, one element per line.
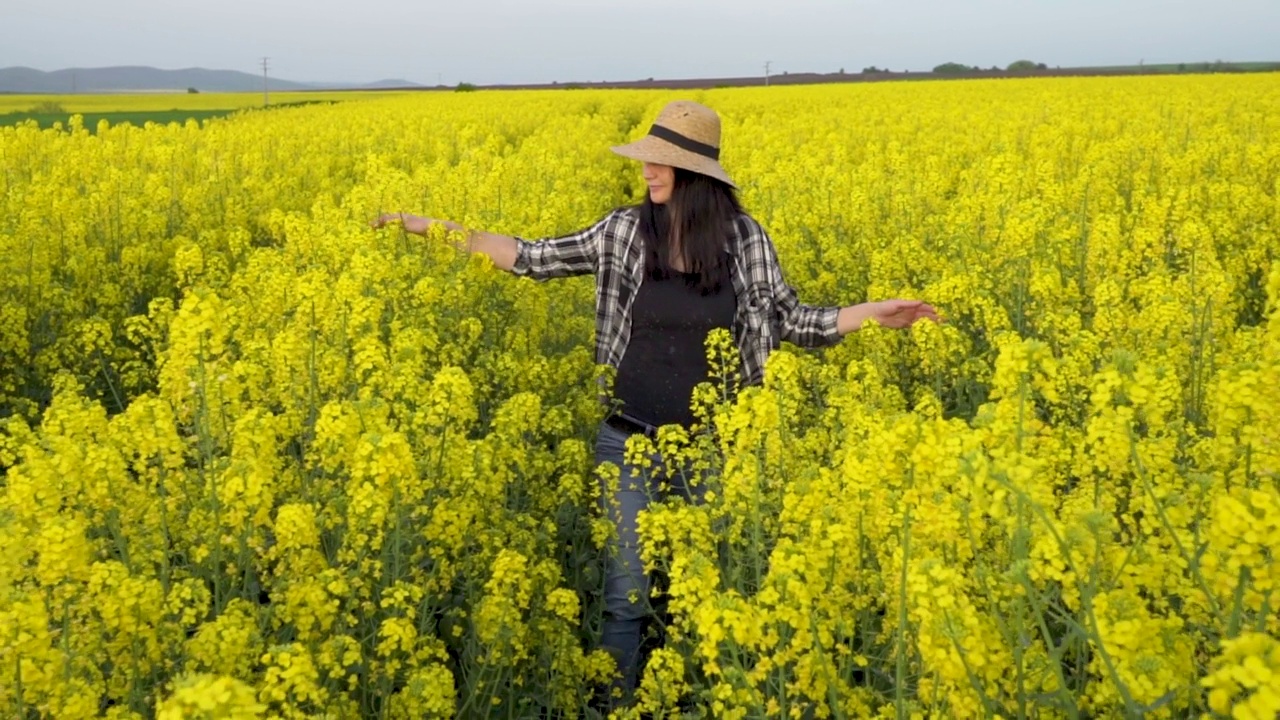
<point>1192,565</point>
<point>900,671</point>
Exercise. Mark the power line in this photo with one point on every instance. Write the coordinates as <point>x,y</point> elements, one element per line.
<point>266,100</point>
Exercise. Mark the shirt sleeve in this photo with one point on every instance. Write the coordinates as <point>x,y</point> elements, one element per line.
<point>800,324</point>
<point>565,256</point>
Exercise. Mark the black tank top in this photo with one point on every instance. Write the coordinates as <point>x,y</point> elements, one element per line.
<point>666,355</point>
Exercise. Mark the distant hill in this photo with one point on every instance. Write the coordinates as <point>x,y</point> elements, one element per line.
<point>383,84</point>
<point>873,74</point>
<point>149,79</point>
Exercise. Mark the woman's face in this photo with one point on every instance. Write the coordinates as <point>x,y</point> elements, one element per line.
<point>660,179</point>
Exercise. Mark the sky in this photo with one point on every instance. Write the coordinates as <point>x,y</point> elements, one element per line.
<point>537,41</point>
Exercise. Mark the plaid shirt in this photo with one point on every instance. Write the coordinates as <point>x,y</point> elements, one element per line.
<point>768,310</point>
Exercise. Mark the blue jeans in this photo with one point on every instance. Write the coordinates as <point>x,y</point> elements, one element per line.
<point>624,575</point>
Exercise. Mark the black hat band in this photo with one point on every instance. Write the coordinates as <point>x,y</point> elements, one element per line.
<point>685,143</point>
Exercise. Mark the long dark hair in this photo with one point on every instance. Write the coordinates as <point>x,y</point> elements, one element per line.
<point>698,219</point>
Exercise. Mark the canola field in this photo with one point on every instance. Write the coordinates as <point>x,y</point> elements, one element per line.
<point>259,460</point>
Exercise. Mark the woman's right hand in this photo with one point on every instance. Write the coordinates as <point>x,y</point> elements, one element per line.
<point>411,223</point>
<point>502,249</point>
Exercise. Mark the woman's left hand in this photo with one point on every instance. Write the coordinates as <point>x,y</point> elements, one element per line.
<point>902,313</point>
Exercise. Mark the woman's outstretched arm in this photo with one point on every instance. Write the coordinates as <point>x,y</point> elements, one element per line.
<point>501,249</point>
<point>565,256</point>
<point>815,326</point>
<point>889,313</point>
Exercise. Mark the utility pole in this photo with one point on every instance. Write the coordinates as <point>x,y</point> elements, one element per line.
<point>266,100</point>
<point>766,72</point>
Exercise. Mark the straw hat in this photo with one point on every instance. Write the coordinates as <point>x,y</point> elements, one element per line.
<point>685,135</point>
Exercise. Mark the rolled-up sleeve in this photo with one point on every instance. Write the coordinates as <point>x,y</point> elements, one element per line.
<point>565,256</point>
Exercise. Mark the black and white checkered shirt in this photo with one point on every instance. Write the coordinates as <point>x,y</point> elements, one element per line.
<point>768,309</point>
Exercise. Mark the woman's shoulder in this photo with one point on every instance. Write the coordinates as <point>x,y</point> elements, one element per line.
<point>625,212</point>
<point>748,228</point>
<point>621,217</point>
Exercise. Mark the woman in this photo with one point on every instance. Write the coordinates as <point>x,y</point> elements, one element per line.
<point>686,261</point>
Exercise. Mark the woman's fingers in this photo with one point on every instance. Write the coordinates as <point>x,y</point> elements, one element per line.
<point>925,311</point>
<point>928,312</point>
<point>384,218</point>
<point>903,313</point>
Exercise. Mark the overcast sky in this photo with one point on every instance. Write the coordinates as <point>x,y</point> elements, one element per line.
<point>496,41</point>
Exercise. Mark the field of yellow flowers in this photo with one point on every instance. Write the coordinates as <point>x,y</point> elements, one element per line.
<point>260,460</point>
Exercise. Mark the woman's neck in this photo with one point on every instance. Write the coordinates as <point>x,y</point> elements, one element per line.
<point>676,260</point>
